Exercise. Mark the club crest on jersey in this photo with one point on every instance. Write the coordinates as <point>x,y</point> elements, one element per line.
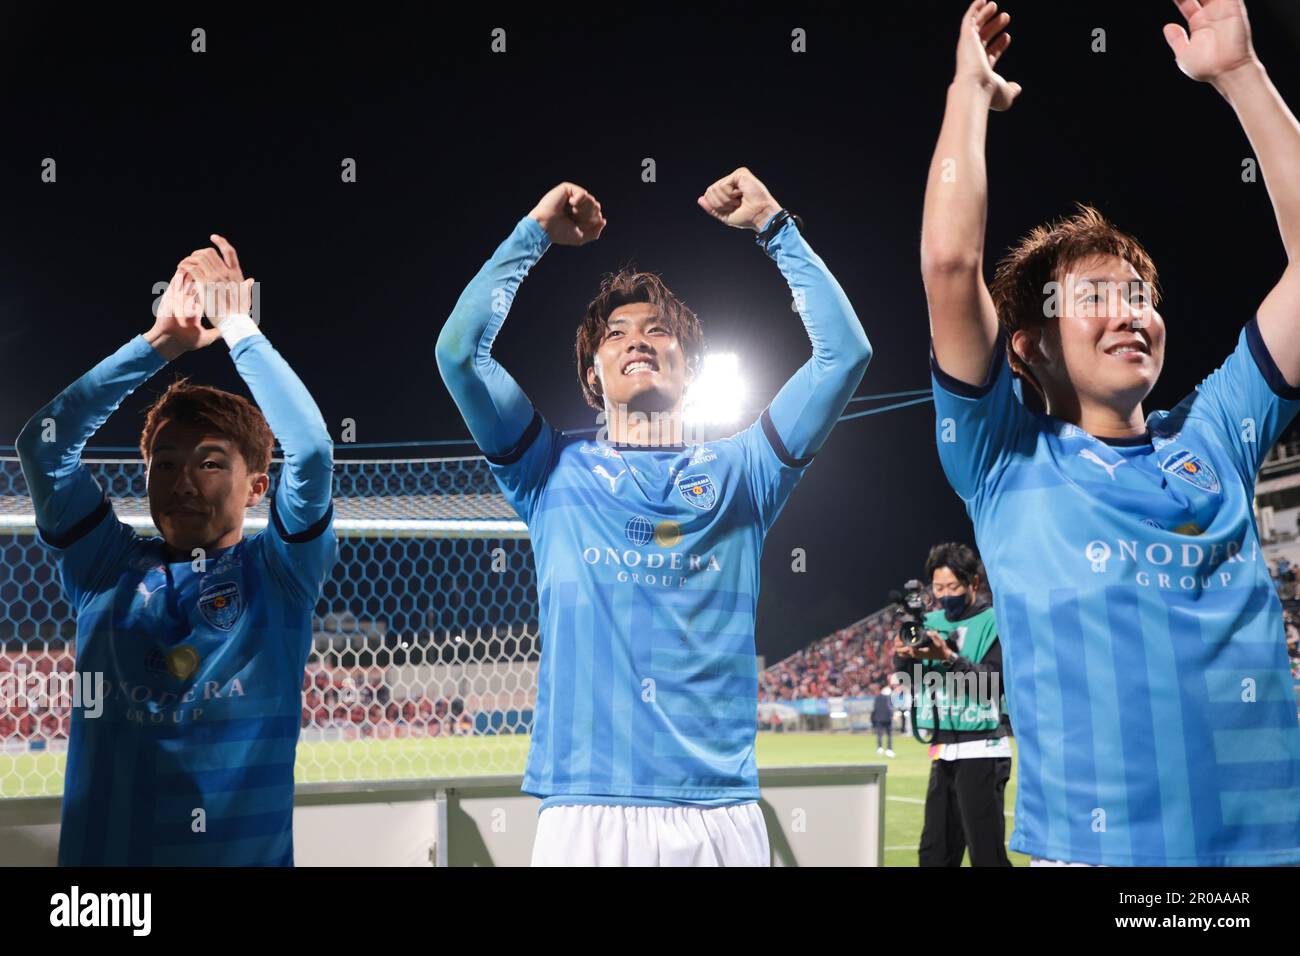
<point>1193,469</point>
<point>220,605</point>
<point>698,490</point>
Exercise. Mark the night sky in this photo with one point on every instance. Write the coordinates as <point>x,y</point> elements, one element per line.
<point>156,147</point>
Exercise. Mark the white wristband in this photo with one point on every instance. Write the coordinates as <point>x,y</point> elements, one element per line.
<point>236,327</point>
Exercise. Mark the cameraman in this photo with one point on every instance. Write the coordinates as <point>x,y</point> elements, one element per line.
<point>970,751</point>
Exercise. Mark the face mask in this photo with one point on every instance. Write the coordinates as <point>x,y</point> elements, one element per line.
<point>953,605</point>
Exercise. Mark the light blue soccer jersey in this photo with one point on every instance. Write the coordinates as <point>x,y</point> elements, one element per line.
<point>648,558</point>
<point>1143,644</point>
<point>648,579</point>
<point>191,760</point>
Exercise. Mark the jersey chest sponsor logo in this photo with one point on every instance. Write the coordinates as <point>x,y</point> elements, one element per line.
<point>640,530</point>
<point>1193,469</point>
<point>640,566</point>
<point>220,605</point>
<point>698,491</point>
<point>1174,565</point>
<point>181,662</point>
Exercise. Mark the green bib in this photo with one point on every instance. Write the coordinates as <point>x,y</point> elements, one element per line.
<point>964,701</point>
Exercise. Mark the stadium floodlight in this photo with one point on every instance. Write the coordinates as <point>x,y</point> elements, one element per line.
<point>716,395</point>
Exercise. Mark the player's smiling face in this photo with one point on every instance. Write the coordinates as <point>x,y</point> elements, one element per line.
<point>199,488</point>
<point>1107,345</point>
<point>640,362</point>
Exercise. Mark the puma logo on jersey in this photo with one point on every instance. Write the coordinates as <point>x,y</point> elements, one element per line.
<point>144,591</point>
<point>612,479</point>
<point>1090,455</point>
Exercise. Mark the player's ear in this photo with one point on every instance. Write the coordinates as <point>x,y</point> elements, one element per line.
<point>258,484</point>
<point>1024,342</point>
<point>593,380</point>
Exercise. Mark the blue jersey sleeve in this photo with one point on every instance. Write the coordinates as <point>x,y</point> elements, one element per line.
<point>299,544</point>
<point>1246,402</point>
<point>806,408</point>
<point>73,515</point>
<point>521,471</point>
<point>978,428</point>
<point>770,470</point>
<point>779,446</point>
<point>495,408</point>
<point>91,561</point>
<point>516,441</point>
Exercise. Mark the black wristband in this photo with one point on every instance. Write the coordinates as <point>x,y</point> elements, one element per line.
<point>778,220</point>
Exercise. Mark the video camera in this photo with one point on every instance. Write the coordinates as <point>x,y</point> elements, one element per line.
<point>909,615</point>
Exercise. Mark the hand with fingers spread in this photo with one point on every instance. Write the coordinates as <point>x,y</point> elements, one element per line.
<point>983,41</point>
<point>178,327</point>
<point>219,280</point>
<point>740,200</point>
<point>570,215</point>
<point>1220,40</point>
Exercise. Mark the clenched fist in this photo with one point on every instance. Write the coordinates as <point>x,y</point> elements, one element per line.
<point>570,215</point>
<point>740,200</point>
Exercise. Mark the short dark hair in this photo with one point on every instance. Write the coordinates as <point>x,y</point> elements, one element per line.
<point>231,416</point>
<point>621,288</point>
<point>961,559</point>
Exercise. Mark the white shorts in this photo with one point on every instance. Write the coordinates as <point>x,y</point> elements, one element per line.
<point>590,835</point>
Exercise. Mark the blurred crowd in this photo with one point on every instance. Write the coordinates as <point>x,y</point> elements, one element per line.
<point>854,661</point>
<point>338,697</point>
<point>1283,573</point>
<point>358,697</point>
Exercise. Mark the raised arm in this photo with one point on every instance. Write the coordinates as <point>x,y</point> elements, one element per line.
<point>495,408</point>
<point>1219,51</point>
<point>808,405</point>
<point>963,323</point>
<point>64,493</point>
<point>305,491</point>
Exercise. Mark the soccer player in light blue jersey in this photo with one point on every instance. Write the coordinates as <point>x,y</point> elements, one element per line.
<point>200,634</point>
<point>647,548</point>
<point>1143,645</point>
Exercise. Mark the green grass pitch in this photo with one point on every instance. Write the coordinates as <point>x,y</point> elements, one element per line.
<point>33,775</point>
